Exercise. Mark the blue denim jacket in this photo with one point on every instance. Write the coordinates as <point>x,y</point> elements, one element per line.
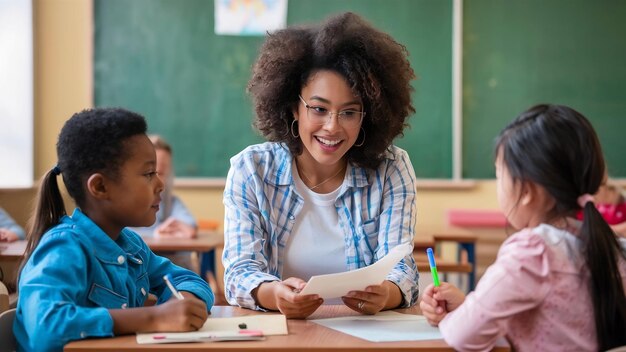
<point>77,273</point>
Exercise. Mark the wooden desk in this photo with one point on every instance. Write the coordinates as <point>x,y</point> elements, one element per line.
<point>423,242</point>
<point>10,256</point>
<point>206,241</point>
<point>304,335</point>
<point>443,266</point>
<point>206,245</point>
<point>13,251</point>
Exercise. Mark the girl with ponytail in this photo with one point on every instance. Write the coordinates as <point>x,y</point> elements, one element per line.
<point>558,284</point>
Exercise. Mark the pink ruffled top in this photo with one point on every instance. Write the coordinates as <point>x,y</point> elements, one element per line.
<point>536,294</point>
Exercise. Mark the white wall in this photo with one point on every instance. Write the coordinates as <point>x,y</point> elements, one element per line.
<point>16,94</point>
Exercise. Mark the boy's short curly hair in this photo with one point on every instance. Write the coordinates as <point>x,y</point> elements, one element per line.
<point>93,140</point>
<point>375,66</point>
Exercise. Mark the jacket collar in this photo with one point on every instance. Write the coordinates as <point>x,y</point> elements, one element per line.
<point>104,248</point>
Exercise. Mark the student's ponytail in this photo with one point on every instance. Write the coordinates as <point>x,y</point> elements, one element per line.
<point>49,208</point>
<point>602,252</point>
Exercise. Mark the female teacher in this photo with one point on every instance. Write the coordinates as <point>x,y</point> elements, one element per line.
<point>329,192</point>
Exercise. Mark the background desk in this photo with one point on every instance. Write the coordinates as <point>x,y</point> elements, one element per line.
<point>434,237</point>
<point>304,335</point>
<point>206,241</point>
<point>10,256</point>
<point>13,251</point>
<point>206,245</point>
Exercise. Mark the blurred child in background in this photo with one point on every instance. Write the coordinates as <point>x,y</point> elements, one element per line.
<point>611,204</point>
<point>10,231</point>
<point>173,219</point>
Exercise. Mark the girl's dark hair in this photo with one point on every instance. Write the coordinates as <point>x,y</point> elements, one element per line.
<point>91,141</point>
<point>556,147</point>
<point>372,62</point>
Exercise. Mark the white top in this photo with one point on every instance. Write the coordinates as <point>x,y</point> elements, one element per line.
<point>316,245</point>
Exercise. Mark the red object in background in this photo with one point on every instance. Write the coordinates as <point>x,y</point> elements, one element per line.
<point>612,213</point>
<point>476,218</point>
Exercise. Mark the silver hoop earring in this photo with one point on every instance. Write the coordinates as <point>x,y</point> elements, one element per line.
<point>292,132</point>
<point>363,141</point>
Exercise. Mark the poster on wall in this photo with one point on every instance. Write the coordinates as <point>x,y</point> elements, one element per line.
<point>249,17</point>
<point>16,94</point>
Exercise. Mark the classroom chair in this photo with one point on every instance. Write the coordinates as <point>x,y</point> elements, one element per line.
<point>4,297</point>
<point>7,339</point>
<point>208,271</point>
<point>479,222</point>
<point>207,264</point>
<point>444,267</point>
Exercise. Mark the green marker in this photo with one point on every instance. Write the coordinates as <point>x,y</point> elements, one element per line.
<point>433,266</point>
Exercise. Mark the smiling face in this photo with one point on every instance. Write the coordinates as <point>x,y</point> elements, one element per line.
<point>326,145</point>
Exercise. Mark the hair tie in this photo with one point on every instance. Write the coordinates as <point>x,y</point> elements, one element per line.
<point>56,170</point>
<point>582,200</point>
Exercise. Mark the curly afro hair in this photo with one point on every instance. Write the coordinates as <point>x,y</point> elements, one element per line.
<point>375,66</point>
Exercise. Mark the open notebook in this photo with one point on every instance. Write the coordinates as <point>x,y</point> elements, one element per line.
<point>249,327</point>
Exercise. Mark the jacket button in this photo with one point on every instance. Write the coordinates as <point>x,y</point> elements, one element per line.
<point>83,334</point>
<point>120,259</point>
<point>124,306</point>
<point>291,217</point>
<point>143,291</point>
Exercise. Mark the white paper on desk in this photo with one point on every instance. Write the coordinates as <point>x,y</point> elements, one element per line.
<point>384,326</point>
<point>222,328</point>
<point>337,285</point>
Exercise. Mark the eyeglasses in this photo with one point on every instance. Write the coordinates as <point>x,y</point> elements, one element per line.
<point>319,115</point>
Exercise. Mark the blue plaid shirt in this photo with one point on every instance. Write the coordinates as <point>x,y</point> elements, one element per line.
<point>376,213</point>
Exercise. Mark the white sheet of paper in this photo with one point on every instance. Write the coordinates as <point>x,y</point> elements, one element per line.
<point>384,326</point>
<point>339,284</point>
<point>224,328</point>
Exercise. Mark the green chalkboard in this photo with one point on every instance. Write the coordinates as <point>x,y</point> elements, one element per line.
<point>162,59</point>
<point>519,53</point>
